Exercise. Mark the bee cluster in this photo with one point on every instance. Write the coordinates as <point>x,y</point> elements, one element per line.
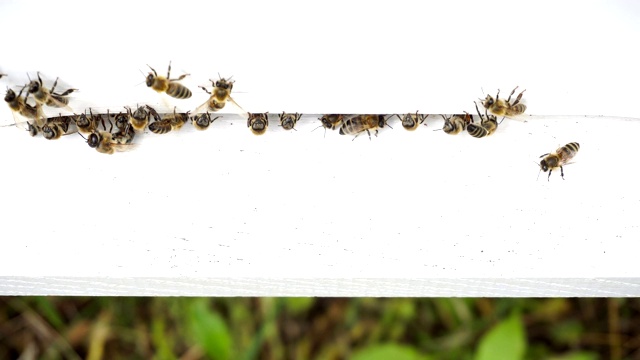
<point>130,122</point>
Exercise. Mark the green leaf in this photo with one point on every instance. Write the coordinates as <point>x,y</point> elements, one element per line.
<point>298,305</point>
<point>389,351</point>
<point>505,341</point>
<point>209,331</point>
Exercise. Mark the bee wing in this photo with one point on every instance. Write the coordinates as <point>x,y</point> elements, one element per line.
<point>202,108</point>
<point>240,111</point>
<point>124,147</point>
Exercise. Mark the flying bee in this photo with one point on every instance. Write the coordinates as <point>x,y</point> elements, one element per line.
<point>202,121</point>
<point>488,125</point>
<point>167,85</point>
<point>220,94</point>
<point>20,106</point>
<point>412,121</point>
<point>56,127</point>
<point>258,123</point>
<point>288,121</point>
<point>558,158</point>
<point>44,96</point>
<point>139,119</point>
<point>456,123</point>
<point>501,107</point>
<point>358,124</point>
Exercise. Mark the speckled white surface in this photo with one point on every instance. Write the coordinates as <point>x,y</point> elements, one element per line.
<point>224,212</point>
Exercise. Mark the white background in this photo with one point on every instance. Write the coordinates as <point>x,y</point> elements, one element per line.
<point>226,205</point>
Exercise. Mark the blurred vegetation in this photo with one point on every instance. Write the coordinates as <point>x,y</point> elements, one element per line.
<point>319,328</point>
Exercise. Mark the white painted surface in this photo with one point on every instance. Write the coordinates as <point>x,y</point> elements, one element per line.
<point>224,212</point>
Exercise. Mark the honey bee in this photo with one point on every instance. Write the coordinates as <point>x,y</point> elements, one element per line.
<point>219,95</point>
<point>124,135</point>
<point>56,127</point>
<point>177,120</point>
<point>44,96</point>
<point>331,121</point>
<point>103,141</point>
<point>456,123</point>
<point>88,124</point>
<point>167,85</point>
<point>202,121</point>
<point>159,126</point>
<point>258,123</point>
<point>20,106</point>
<point>139,119</point>
<point>122,120</point>
<point>358,124</point>
<point>488,125</point>
<point>288,121</point>
<point>558,158</point>
<point>412,121</point>
<point>501,107</point>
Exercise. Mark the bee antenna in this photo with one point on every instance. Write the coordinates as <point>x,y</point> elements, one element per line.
<point>82,136</point>
<point>154,71</point>
<point>539,170</point>
<point>501,120</point>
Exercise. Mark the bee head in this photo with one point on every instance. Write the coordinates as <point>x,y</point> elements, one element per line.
<point>33,131</point>
<point>10,96</point>
<point>543,165</point>
<point>93,140</point>
<point>34,86</point>
<point>382,122</point>
<point>150,79</point>
<point>47,132</point>
<point>488,101</point>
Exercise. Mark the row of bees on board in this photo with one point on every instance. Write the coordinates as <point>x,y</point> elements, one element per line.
<point>130,122</point>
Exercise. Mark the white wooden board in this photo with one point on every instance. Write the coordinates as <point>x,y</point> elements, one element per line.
<point>224,212</point>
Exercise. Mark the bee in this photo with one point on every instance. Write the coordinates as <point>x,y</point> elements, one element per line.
<point>501,107</point>
<point>456,123</point>
<point>139,119</point>
<point>558,158</point>
<point>202,121</point>
<point>412,121</point>
<point>288,121</point>
<point>488,125</point>
<point>159,126</point>
<point>103,141</point>
<point>358,124</point>
<point>88,124</point>
<point>44,96</point>
<point>20,106</point>
<point>258,123</point>
<point>220,94</point>
<point>56,127</point>
<point>331,121</point>
<point>124,135</point>
<point>167,85</point>
<point>177,120</point>
<point>122,121</point>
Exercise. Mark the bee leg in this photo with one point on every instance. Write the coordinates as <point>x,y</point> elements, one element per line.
<point>54,84</point>
<point>66,92</point>
<point>358,134</point>
<point>562,172</point>
<point>169,71</point>
<point>203,88</point>
<point>181,77</point>
<point>497,95</point>
<point>548,177</point>
<point>509,98</point>
<point>518,98</point>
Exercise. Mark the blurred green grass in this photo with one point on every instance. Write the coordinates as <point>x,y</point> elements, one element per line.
<point>319,328</point>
